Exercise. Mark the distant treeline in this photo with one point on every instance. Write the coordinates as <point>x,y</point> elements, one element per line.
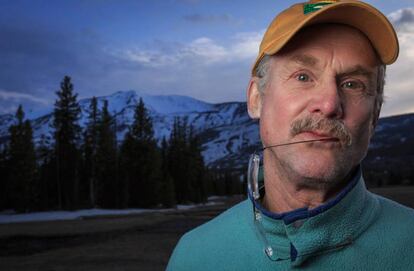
<point>88,168</point>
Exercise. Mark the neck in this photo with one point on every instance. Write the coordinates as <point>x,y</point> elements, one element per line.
<point>286,192</point>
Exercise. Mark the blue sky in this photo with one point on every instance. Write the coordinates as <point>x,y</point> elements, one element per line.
<point>199,48</point>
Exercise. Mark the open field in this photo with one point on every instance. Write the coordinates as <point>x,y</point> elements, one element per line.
<point>133,242</point>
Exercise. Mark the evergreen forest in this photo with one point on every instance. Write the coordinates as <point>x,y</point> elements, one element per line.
<point>89,168</point>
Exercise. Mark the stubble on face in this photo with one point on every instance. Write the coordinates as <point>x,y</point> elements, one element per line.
<point>285,163</point>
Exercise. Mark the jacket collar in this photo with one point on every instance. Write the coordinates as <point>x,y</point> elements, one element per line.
<point>303,233</point>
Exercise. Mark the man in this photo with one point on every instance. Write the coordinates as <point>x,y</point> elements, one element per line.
<point>317,90</point>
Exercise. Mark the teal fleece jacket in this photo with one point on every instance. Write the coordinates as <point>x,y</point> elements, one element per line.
<point>357,230</point>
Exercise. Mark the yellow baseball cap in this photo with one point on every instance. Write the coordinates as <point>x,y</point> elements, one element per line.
<point>357,14</point>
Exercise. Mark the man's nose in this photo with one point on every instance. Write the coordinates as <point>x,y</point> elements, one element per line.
<point>327,100</point>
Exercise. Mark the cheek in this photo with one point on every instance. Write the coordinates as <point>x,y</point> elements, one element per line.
<point>360,123</point>
<point>278,112</point>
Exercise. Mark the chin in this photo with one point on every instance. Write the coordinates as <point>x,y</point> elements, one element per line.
<point>321,169</point>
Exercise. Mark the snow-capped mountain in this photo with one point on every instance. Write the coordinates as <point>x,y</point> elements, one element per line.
<point>225,129</point>
<point>227,133</point>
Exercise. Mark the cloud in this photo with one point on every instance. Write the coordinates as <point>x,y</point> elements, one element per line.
<point>9,95</point>
<point>205,49</point>
<point>399,89</point>
<point>200,18</point>
<point>402,18</point>
<point>9,101</point>
<point>203,68</point>
<point>202,51</point>
<point>246,45</point>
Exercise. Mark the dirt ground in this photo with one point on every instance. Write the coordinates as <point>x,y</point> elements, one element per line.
<point>135,242</point>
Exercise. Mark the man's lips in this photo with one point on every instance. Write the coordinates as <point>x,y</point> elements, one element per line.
<point>314,135</point>
<point>307,137</point>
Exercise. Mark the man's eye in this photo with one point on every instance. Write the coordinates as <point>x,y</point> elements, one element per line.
<point>303,77</point>
<point>353,85</point>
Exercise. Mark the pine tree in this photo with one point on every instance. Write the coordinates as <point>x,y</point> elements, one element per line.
<point>126,165</point>
<point>141,161</point>
<point>197,174</point>
<point>167,190</point>
<point>47,183</point>
<point>142,129</point>
<point>22,164</point>
<point>4,172</point>
<point>177,160</point>
<point>186,164</point>
<point>89,152</point>
<point>66,135</point>
<point>106,160</point>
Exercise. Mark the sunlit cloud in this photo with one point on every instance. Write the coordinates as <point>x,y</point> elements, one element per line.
<point>400,81</point>
<point>246,45</point>
<point>203,51</point>
<point>403,19</point>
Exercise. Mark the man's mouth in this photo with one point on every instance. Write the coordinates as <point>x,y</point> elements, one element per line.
<point>309,129</point>
<point>317,135</point>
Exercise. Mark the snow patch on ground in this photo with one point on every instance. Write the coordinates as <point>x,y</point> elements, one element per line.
<point>10,217</point>
<point>65,215</point>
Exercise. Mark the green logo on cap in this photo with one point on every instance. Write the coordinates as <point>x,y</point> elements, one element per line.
<point>309,8</point>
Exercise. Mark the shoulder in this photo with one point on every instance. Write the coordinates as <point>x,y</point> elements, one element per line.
<point>394,220</point>
<point>391,234</point>
<point>394,210</point>
<point>214,240</point>
<point>233,219</point>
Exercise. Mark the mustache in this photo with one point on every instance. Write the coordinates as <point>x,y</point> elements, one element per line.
<point>331,127</point>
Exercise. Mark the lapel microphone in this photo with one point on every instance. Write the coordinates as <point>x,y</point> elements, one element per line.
<point>297,142</point>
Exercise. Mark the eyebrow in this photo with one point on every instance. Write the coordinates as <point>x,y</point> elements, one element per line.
<point>357,70</point>
<point>306,60</point>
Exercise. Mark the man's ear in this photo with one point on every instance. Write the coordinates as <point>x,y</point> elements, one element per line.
<point>254,98</point>
<point>375,119</point>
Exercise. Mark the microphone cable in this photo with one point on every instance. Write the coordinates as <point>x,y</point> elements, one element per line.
<point>297,142</point>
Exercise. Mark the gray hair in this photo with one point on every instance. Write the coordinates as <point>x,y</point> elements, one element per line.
<point>262,73</point>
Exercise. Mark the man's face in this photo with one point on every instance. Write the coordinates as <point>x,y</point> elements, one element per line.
<point>322,84</point>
